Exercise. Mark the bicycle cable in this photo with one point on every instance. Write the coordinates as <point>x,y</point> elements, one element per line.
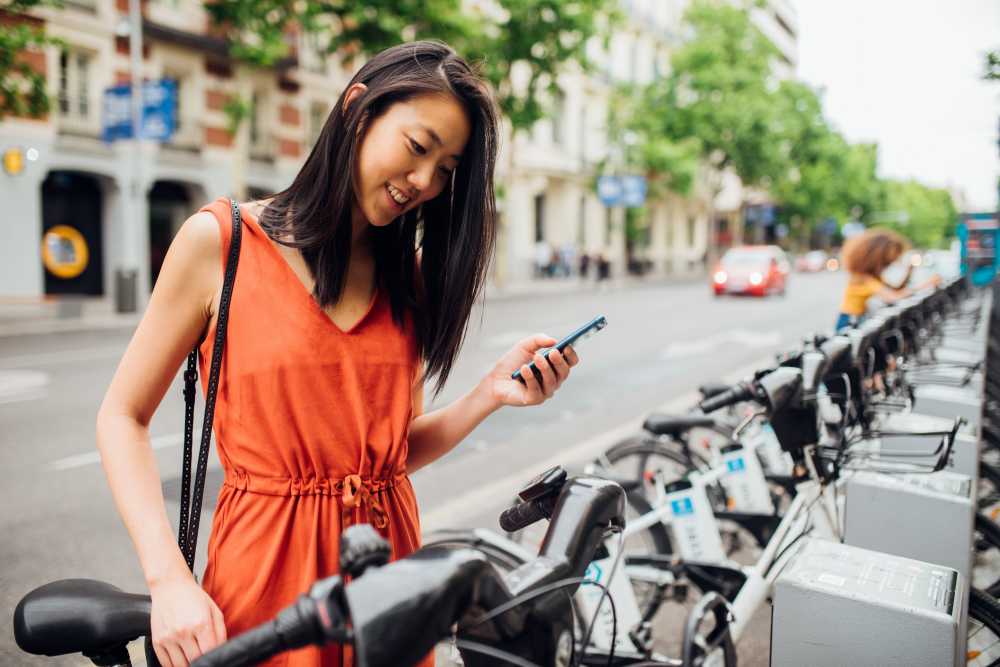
<point>606,595</point>
<point>492,652</point>
<point>530,595</point>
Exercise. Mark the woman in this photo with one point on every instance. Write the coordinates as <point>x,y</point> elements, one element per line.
<point>866,257</point>
<point>336,321</point>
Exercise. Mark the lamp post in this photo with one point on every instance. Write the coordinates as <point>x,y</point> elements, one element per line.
<point>127,272</point>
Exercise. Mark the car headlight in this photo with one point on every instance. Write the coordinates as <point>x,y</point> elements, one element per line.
<point>756,278</point>
<point>720,277</point>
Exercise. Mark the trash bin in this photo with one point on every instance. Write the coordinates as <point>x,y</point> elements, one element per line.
<point>125,290</point>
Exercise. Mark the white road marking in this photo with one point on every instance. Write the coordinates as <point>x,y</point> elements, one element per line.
<point>62,357</point>
<point>510,338</point>
<point>23,385</point>
<point>92,457</point>
<point>468,505</point>
<point>742,337</point>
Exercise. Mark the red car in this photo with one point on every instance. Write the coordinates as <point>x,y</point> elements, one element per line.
<point>755,269</point>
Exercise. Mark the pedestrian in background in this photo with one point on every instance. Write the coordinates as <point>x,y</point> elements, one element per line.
<point>866,257</point>
<point>337,319</point>
<point>543,258</point>
<point>603,268</point>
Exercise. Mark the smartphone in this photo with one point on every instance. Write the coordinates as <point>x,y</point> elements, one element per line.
<point>583,333</point>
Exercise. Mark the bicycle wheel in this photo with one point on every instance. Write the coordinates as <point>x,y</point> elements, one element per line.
<point>651,541</point>
<point>983,637</point>
<point>506,560</point>
<point>642,457</point>
<point>649,459</point>
<point>986,573</point>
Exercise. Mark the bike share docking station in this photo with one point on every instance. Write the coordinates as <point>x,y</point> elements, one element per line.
<point>895,592</point>
<point>836,605</point>
<point>916,515</point>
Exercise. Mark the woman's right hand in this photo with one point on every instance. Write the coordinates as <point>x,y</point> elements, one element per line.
<point>185,622</point>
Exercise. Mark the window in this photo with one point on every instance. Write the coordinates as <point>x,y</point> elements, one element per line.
<point>559,119</point>
<point>317,117</point>
<point>784,25</point>
<point>254,118</point>
<point>539,218</point>
<point>74,84</point>
<point>633,62</point>
<point>582,147</point>
<point>314,58</point>
<point>260,145</point>
<point>581,232</point>
<point>691,228</point>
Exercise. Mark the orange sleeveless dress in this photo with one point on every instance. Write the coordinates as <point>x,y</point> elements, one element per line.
<point>311,423</point>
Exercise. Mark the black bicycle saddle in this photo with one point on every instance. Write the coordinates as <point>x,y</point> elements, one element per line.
<point>661,424</point>
<point>79,616</point>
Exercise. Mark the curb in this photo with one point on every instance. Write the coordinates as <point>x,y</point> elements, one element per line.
<point>13,326</point>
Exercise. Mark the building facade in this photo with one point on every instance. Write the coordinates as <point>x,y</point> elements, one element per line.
<point>71,178</point>
<point>73,181</point>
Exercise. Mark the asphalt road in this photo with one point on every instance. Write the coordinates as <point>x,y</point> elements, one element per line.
<point>662,340</point>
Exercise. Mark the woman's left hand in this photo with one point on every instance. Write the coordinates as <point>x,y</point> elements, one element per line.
<point>505,391</point>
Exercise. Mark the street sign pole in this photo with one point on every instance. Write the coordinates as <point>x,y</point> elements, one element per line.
<point>127,274</point>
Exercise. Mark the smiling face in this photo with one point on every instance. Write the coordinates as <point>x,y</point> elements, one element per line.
<point>407,156</point>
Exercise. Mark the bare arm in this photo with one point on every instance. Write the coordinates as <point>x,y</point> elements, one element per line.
<point>435,434</point>
<point>889,294</point>
<point>902,283</point>
<point>178,314</point>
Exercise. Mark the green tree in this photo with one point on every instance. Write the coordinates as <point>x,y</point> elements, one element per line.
<point>926,215</point>
<point>991,69</point>
<point>719,91</point>
<point>715,110</point>
<point>22,89</point>
<point>826,177</point>
<point>635,127</point>
<point>541,36</point>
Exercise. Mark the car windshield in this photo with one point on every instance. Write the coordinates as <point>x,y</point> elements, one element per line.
<point>744,258</point>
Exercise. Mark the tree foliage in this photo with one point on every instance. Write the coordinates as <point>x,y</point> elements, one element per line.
<point>543,36</point>
<point>991,69</point>
<point>634,125</point>
<point>22,89</point>
<point>722,106</point>
<point>926,215</point>
<point>719,93</point>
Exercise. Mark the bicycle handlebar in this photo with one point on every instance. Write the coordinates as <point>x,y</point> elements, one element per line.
<point>314,618</point>
<point>397,612</point>
<point>738,393</point>
<point>521,516</point>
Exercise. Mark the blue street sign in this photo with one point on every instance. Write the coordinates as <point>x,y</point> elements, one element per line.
<point>634,189</point>
<point>159,101</point>
<point>627,191</point>
<point>609,190</point>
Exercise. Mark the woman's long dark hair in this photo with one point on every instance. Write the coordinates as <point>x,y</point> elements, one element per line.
<point>457,228</point>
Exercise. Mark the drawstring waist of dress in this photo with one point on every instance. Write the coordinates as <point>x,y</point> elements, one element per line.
<point>356,491</point>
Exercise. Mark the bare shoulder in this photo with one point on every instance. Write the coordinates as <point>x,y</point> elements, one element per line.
<point>192,268</point>
<point>199,237</point>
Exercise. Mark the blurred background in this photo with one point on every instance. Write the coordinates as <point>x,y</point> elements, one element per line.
<point>649,146</point>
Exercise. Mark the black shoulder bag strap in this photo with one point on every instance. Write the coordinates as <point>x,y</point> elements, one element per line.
<point>187,533</point>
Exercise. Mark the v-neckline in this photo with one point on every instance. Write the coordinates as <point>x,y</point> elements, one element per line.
<point>313,304</point>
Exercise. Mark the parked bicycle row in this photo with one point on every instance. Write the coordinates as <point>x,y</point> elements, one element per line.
<point>852,484</point>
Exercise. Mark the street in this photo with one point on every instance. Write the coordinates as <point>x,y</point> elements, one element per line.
<point>662,341</point>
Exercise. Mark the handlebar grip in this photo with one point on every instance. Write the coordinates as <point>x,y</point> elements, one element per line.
<point>294,626</point>
<point>736,394</point>
<point>521,516</point>
<point>251,647</point>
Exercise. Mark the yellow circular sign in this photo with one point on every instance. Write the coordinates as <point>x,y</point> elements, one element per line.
<point>13,161</point>
<point>64,251</point>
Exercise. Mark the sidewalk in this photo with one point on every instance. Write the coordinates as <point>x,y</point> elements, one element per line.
<point>26,317</point>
